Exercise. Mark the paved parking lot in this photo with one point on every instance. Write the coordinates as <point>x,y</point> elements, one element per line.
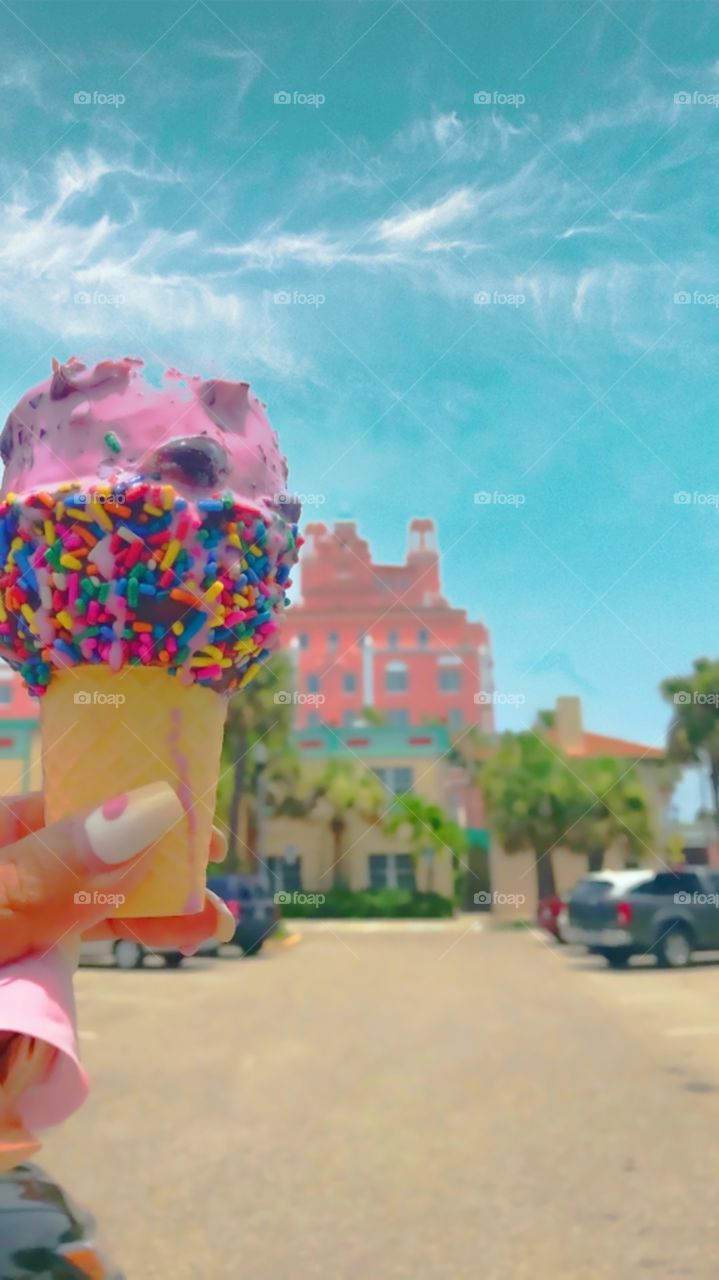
<point>401,1104</point>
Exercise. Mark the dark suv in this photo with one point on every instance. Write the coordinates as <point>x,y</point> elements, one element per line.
<point>669,914</point>
<point>252,905</point>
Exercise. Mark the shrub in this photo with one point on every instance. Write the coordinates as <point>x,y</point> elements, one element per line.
<point>368,904</point>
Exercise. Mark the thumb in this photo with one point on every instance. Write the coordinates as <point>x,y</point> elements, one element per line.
<point>46,875</point>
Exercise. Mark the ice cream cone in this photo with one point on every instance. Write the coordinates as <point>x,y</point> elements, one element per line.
<point>146,544</point>
<point>105,732</point>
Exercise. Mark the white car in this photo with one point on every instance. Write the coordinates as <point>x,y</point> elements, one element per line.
<point>124,953</point>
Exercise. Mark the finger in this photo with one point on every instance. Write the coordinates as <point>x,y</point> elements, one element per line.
<point>218,845</point>
<point>214,921</point>
<point>62,878</point>
<point>217,852</point>
<point>19,815</point>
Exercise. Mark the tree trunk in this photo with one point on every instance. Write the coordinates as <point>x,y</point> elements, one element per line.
<point>238,782</point>
<point>337,827</point>
<point>595,860</point>
<point>252,850</point>
<point>714,777</point>
<point>544,869</point>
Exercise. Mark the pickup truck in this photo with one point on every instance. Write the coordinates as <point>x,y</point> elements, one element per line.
<point>668,914</point>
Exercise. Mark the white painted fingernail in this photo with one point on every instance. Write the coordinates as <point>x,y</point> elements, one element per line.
<point>120,828</point>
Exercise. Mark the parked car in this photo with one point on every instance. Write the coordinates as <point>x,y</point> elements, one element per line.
<point>253,906</point>
<point>45,1235</point>
<point>668,914</point>
<point>550,916</point>
<point>125,953</point>
<point>250,902</point>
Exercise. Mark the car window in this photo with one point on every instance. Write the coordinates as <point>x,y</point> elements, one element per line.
<point>591,890</point>
<point>667,883</point>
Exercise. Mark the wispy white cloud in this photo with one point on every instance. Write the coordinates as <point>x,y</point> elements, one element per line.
<point>244,68</point>
<point>434,130</point>
<point>110,280</point>
<point>408,227</point>
<point>23,78</point>
<point>446,127</point>
<point>273,250</point>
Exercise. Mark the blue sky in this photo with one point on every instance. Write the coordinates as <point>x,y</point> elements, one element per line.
<point>578,196</point>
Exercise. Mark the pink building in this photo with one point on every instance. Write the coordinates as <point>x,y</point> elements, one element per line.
<point>384,636</point>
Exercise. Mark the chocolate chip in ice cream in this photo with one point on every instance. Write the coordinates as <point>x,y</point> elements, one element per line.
<point>191,461</point>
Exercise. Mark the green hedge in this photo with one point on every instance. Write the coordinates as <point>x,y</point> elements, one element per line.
<point>367,904</point>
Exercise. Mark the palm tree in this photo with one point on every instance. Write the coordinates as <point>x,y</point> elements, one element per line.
<point>532,798</point>
<point>262,711</point>
<point>613,806</point>
<point>694,728</point>
<point>428,829</point>
<point>341,789</point>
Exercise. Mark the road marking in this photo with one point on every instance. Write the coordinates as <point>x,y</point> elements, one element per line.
<point>290,941</point>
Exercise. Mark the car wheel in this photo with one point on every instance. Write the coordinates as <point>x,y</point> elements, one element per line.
<point>174,959</point>
<point>251,948</point>
<point>128,954</point>
<point>674,949</point>
<point>617,959</point>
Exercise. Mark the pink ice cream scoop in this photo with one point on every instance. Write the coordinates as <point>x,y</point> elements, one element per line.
<point>142,524</point>
<point>109,422</point>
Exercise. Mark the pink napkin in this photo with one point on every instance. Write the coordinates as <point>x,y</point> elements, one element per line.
<point>37,1002</point>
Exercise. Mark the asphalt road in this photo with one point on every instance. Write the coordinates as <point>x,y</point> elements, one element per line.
<point>401,1105</point>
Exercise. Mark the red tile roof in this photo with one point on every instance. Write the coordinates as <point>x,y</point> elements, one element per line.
<point>598,744</point>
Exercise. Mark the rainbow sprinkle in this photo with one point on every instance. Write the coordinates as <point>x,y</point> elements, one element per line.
<point>142,577</point>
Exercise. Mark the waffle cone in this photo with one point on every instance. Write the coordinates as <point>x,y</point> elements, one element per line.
<point>105,732</point>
